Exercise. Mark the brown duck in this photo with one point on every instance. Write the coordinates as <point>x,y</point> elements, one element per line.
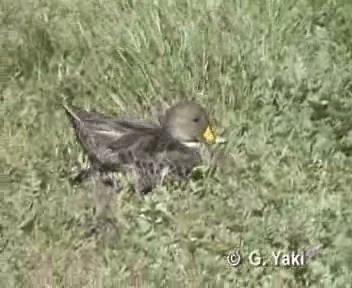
<point>146,150</point>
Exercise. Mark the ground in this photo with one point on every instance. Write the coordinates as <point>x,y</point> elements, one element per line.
<point>276,76</point>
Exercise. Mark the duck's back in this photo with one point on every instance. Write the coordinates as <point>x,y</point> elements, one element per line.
<point>97,131</point>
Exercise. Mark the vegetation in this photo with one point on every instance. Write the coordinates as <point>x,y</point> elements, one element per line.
<point>275,74</point>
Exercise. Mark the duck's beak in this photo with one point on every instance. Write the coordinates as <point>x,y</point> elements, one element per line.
<point>209,135</point>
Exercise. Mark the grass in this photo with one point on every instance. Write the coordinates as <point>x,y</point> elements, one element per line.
<point>275,74</point>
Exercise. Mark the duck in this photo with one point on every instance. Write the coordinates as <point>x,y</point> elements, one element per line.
<point>148,151</point>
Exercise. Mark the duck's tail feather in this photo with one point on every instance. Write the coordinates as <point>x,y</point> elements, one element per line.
<point>72,116</point>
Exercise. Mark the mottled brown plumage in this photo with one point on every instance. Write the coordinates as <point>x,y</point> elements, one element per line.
<point>146,150</point>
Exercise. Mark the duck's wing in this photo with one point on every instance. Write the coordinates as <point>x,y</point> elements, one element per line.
<point>128,149</point>
<point>97,131</point>
<point>153,144</point>
<point>150,159</point>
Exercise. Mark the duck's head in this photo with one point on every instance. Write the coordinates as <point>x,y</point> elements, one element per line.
<point>188,122</point>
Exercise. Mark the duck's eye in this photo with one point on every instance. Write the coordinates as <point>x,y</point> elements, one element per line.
<point>196,119</point>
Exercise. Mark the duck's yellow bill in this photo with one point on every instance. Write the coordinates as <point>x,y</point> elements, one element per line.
<point>209,135</point>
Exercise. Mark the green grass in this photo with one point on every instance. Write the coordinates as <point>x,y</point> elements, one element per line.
<point>275,73</point>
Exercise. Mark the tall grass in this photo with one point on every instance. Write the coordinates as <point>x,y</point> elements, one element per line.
<point>275,74</point>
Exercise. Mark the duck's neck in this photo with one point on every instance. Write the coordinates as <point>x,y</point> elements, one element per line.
<point>195,145</point>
